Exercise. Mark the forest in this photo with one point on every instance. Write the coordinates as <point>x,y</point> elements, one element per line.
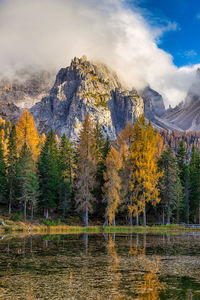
<point>138,179</point>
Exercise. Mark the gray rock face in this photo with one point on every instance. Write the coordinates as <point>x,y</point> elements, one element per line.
<point>153,103</point>
<point>26,88</point>
<point>87,88</point>
<point>186,115</point>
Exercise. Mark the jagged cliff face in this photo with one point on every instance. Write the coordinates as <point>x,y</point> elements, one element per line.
<point>87,88</point>
<point>186,116</point>
<point>26,88</point>
<point>153,103</point>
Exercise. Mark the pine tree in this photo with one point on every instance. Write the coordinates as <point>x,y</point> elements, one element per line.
<point>67,157</point>
<point>101,153</point>
<point>86,170</point>
<point>144,158</point>
<point>170,186</point>
<point>26,132</point>
<point>11,168</point>
<point>194,193</point>
<point>27,179</point>
<point>3,175</point>
<point>181,157</point>
<point>49,174</point>
<point>112,186</point>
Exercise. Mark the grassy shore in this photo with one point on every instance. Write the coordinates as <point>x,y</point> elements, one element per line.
<point>19,227</point>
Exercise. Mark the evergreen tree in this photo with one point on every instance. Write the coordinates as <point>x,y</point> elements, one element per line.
<point>86,170</point>
<point>11,168</point>
<point>49,174</point>
<point>194,194</point>
<point>170,186</point>
<point>181,157</point>
<point>67,157</point>
<point>27,179</point>
<point>100,146</point>
<point>3,175</point>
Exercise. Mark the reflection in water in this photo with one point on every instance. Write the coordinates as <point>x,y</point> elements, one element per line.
<point>100,267</point>
<point>148,286</point>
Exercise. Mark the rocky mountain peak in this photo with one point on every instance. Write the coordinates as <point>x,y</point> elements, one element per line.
<point>87,87</point>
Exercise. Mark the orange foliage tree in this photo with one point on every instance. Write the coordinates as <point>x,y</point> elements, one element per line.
<point>144,151</point>
<point>26,132</point>
<point>112,186</point>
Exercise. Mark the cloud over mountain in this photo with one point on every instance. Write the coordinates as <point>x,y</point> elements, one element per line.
<point>49,33</point>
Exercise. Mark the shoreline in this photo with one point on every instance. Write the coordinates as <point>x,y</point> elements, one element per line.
<point>32,229</point>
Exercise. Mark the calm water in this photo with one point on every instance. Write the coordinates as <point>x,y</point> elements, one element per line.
<point>119,266</point>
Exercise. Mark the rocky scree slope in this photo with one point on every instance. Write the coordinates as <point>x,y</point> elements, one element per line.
<point>87,88</point>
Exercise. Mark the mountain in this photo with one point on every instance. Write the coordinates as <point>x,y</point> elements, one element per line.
<point>87,88</point>
<point>186,115</point>
<point>26,87</point>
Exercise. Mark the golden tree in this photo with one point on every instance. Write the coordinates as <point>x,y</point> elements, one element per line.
<point>26,132</point>
<point>112,186</point>
<point>144,151</point>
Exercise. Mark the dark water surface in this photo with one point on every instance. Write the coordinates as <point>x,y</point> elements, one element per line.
<point>94,266</point>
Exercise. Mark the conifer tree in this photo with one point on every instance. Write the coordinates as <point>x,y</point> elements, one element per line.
<point>86,170</point>
<point>49,174</point>
<point>194,194</point>
<point>112,186</point>
<point>181,157</point>
<point>11,168</point>
<point>26,132</point>
<point>101,153</point>
<point>67,159</point>
<point>27,179</point>
<point>170,186</point>
<point>144,158</point>
<point>3,175</point>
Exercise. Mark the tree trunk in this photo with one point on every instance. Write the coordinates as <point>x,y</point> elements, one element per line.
<point>131,214</point>
<point>199,215</point>
<point>178,215</point>
<point>130,219</point>
<point>31,212</point>
<point>144,217</point>
<point>113,222</point>
<point>25,211</point>
<point>9,208</point>
<point>187,206</point>
<point>163,217</point>
<point>47,214</point>
<point>168,213</point>
<point>137,219</point>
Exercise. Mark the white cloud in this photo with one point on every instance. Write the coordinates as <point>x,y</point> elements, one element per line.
<point>51,32</point>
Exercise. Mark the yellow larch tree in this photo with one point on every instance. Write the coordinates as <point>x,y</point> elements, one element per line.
<point>26,132</point>
<point>144,150</point>
<point>112,186</point>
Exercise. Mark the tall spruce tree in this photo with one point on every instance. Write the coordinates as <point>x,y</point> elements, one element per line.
<point>170,186</point>
<point>181,157</point>
<point>27,179</point>
<point>11,168</point>
<point>3,175</point>
<point>86,170</point>
<point>100,155</point>
<point>49,174</point>
<point>67,157</point>
<point>194,195</point>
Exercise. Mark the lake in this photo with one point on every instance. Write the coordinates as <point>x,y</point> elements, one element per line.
<point>97,266</point>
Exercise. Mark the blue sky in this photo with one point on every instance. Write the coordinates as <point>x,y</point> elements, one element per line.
<point>183,42</point>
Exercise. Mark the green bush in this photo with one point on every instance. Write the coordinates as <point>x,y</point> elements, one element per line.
<point>51,223</point>
<point>17,217</point>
